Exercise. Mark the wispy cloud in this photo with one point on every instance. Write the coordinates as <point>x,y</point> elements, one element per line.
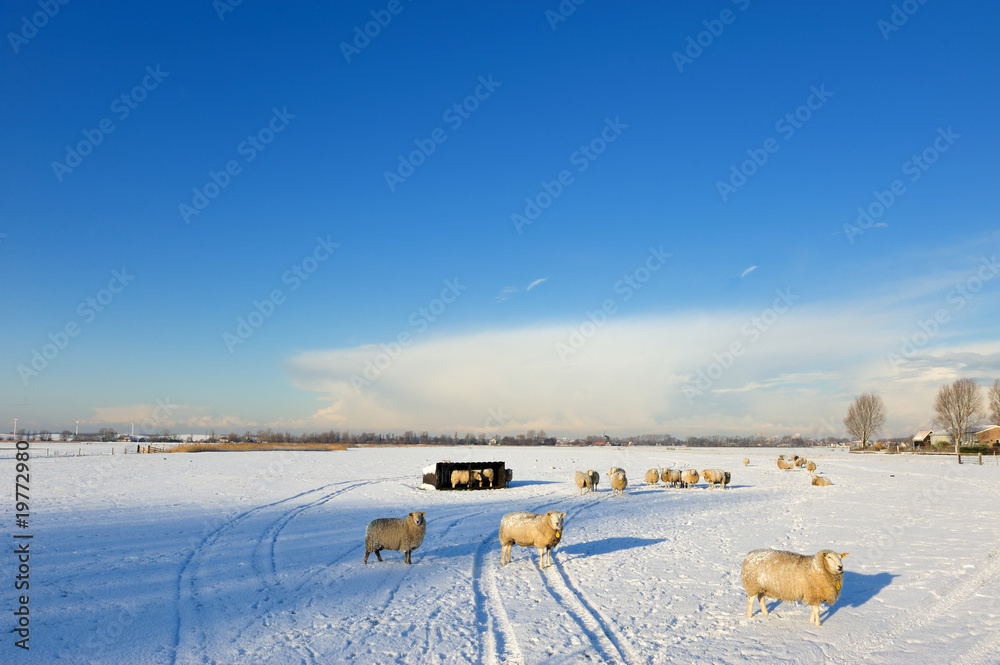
<point>508,292</point>
<point>748,271</point>
<point>536,283</point>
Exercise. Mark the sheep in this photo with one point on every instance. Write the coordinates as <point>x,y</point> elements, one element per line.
<point>614,470</point>
<point>542,532</point>
<point>619,482</point>
<point>672,477</point>
<point>716,477</point>
<point>509,475</point>
<point>652,476</point>
<point>794,577</point>
<point>596,478</point>
<point>403,534</point>
<point>584,481</point>
<point>785,464</point>
<point>689,478</point>
<point>488,477</point>
<point>819,481</point>
<point>476,476</point>
<point>800,462</point>
<point>811,466</point>
<point>746,461</point>
<point>459,478</point>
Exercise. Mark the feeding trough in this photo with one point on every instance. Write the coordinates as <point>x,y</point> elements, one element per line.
<point>471,475</point>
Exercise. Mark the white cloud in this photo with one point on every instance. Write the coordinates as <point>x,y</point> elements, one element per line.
<point>794,371</point>
<point>536,283</point>
<point>748,271</point>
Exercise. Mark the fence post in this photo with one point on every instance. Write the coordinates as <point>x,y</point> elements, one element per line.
<point>980,459</point>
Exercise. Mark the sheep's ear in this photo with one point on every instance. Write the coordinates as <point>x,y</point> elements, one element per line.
<point>562,514</point>
<point>423,513</point>
<point>844,554</point>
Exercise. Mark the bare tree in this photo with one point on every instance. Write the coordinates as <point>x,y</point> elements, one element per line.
<point>958,406</point>
<point>994,397</point>
<point>865,417</point>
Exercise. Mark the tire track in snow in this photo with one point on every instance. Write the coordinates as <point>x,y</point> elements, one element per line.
<point>497,641</point>
<point>962,590</point>
<point>188,594</point>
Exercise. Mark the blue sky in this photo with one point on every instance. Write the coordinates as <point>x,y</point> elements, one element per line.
<point>577,218</point>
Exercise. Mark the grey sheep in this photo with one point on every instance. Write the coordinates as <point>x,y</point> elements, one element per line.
<point>789,576</point>
<point>541,531</point>
<point>403,534</point>
<point>509,475</point>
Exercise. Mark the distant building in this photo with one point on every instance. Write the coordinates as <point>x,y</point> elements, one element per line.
<point>975,435</point>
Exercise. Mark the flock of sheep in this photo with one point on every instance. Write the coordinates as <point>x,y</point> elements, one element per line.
<point>797,462</point>
<point>587,481</point>
<point>766,573</point>
<point>476,478</point>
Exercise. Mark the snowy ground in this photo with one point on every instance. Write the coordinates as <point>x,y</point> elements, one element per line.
<point>256,557</point>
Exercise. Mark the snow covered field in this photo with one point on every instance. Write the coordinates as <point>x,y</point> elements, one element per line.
<point>256,558</point>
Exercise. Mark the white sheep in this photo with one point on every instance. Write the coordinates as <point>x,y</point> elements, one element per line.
<point>596,478</point>
<point>689,478</point>
<point>614,470</point>
<point>652,476</point>
<point>819,481</point>
<point>811,466</point>
<point>716,477</point>
<point>459,478</point>
<point>785,464</point>
<point>403,534</point>
<point>584,481</point>
<point>746,461</point>
<point>619,482</point>
<point>488,477</point>
<point>672,477</point>
<point>541,531</point>
<point>793,577</point>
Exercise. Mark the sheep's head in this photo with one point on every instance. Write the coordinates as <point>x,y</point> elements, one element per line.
<point>832,561</point>
<point>556,520</point>
<point>418,518</point>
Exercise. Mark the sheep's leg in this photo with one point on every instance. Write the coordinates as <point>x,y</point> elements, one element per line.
<point>763,603</point>
<point>750,606</point>
<point>366,558</point>
<point>378,553</point>
<point>406,556</point>
<point>815,615</point>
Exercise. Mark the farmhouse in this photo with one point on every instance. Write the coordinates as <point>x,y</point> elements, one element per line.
<point>975,435</point>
